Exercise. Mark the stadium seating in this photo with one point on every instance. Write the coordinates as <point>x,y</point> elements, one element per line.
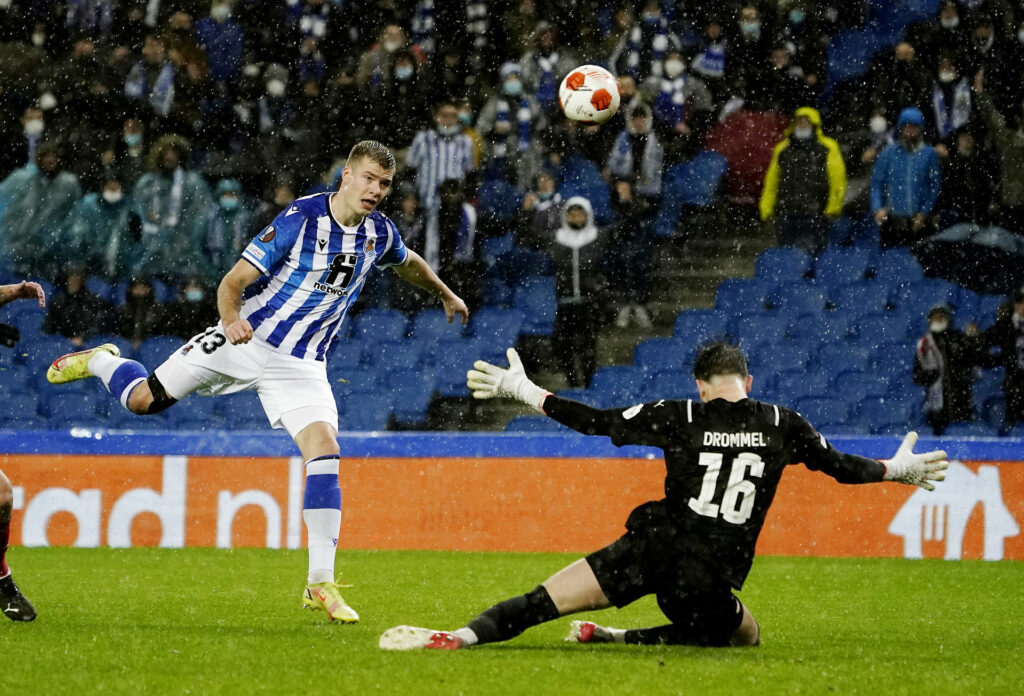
<point>19,411</point>
<point>696,326</point>
<point>661,354</point>
<point>841,265</point>
<point>154,351</point>
<point>692,184</point>
<point>819,409</point>
<point>782,265</point>
<point>372,413</point>
<point>536,299</point>
<point>502,326</point>
<point>534,424</point>
<point>617,385</point>
<point>375,325</point>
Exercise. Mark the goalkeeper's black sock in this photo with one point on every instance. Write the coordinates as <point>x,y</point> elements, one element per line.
<point>508,619</point>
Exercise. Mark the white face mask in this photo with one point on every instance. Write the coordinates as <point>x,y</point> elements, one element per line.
<point>673,68</point>
<point>112,196</point>
<point>38,39</point>
<point>47,101</point>
<point>220,12</point>
<point>392,46</point>
<point>950,22</point>
<point>275,88</point>
<point>803,132</point>
<point>1020,36</point>
<point>4,4</point>
<point>34,126</point>
<point>938,326</point>
<point>878,124</point>
<point>946,76</point>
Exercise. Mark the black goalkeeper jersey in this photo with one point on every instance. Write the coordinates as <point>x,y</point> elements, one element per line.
<point>724,460</point>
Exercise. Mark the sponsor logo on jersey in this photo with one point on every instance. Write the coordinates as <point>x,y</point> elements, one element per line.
<point>294,209</point>
<point>321,243</point>
<point>330,289</point>
<point>255,251</point>
<point>268,234</point>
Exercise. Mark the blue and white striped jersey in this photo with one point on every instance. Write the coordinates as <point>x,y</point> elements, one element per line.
<point>437,158</point>
<point>315,268</point>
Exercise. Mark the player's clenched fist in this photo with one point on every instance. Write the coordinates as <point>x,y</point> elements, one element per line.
<point>238,332</point>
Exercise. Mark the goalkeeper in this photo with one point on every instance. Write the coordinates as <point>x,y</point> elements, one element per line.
<point>724,456</point>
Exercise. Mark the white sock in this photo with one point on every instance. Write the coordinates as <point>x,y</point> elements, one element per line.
<point>322,515</point>
<point>102,364</point>
<point>618,634</point>
<point>466,635</point>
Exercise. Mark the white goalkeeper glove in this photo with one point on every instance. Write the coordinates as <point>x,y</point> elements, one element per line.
<point>915,469</point>
<point>487,381</point>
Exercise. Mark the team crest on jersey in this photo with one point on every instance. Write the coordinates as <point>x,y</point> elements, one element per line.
<point>268,234</point>
<point>369,246</point>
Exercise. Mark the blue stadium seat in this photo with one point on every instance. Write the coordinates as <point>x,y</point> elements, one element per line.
<point>534,424</point>
<point>194,413</point>
<point>375,325</point>
<point>619,384</point>
<point>989,384</point>
<point>123,344</point>
<point>673,384</point>
<point>36,353</point>
<point>993,411</point>
<point>973,428</point>
<point>27,317</point>
<point>398,355</point>
<point>502,326</point>
<point>799,297</point>
<point>495,292</point>
<point>820,409</point>
<point>498,201</point>
<point>452,363</point>
<point>20,411</point>
<point>792,385</point>
<point>854,385</point>
<point>860,297</point>
<point>348,354</point>
<point>743,294</point>
<point>371,414</point>
<point>493,247</point>
<point>520,264</point>
<point>754,330</point>
<point>164,293</point>
<point>100,287</point>
<point>814,328</point>
<point>849,53</point>
<point>536,299</point>
<point>412,391</point>
<point>786,355</point>
<point>581,177</point>
<point>431,326</point>
<point>986,310</point>
<point>241,411</point>
<point>353,380</point>
<point>841,266</point>
<point>895,265</point>
<point>692,184</point>
<point>876,328</point>
<point>886,415</point>
<point>661,354</point>
<point>578,394</point>
<point>892,359</point>
<point>154,351</point>
<point>697,326</point>
<point>782,265</point>
<point>837,356</point>
<point>916,297</point>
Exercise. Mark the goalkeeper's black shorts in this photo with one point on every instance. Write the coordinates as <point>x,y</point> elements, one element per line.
<point>649,559</point>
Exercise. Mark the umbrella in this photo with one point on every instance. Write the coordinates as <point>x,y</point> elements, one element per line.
<point>984,259</point>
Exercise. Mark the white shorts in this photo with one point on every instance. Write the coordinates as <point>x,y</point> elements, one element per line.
<point>294,391</point>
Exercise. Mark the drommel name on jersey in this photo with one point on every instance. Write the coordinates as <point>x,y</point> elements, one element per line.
<point>314,268</point>
<point>724,460</point>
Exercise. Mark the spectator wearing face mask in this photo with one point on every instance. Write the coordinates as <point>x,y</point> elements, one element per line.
<point>104,231</point>
<point>545,65</point>
<point>805,184</point>
<point>899,80</point>
<point>402,97</point>
<point>748,50</point>
<point>682,109</point>
<point>709,61</point>
<point>194,310</point>
<point>377,63</point>
<point>437,154</point>
<point>21,143</point>
<point>151,80</point>
<point>224,42</point>
<point>468,121</point>
<point>951,103</point>
<point>905,184</point>
<point>970,183</point>
<point>638,154</point>
<point>39,197</point>
<point>540,214</point>
<point>126,152</point>
<point>512,124</point>
<point>228,229</point>
<point>172,201</point>
<point>944,362</point>
<point>946,33</point>
<point>641,51</point>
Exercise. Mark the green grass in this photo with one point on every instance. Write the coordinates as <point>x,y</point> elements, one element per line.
<point>204,621</point>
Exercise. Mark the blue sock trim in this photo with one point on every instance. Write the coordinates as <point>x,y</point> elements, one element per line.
<point>322,491</point>
<point>125,377</point>
<point>324,456</point>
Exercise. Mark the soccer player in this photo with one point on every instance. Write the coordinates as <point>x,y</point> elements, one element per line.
<point>724,455</point>
<point>299,277</point>
<point>13,603</point>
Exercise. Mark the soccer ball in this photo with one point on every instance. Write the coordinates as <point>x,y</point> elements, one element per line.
<point>589,94</point>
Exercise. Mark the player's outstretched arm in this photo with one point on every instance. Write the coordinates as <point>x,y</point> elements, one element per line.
<point>418,272</point>
<point>915,469</point>
<point>487,381</point>
<point>24,290</point>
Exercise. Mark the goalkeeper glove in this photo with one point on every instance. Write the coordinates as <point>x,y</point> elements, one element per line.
<point>915,469</point>
<point>487,381</point>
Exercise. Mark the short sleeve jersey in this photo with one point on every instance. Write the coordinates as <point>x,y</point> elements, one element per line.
<point>314,268</point>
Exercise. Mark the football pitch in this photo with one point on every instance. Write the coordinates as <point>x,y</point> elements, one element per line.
<point>206,621</point>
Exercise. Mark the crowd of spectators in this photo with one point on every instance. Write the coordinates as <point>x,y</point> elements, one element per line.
<point>150,139</point>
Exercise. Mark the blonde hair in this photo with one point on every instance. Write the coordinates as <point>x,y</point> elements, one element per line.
<point>373,151</point>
